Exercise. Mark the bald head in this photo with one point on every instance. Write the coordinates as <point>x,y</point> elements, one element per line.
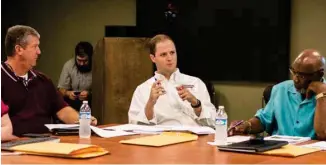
<point>307,67</point>
<point>309,60</point>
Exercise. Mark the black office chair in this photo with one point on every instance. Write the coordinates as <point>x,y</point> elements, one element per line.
<point>211,91</point>
<point>265,99</point>
<point>266,95</point>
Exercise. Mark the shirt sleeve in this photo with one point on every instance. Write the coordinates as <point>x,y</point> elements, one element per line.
<point>136,112</point>
<point>57,102</point>
<point>266,114</point>
<point>65,78</point>
<point>208,112</point>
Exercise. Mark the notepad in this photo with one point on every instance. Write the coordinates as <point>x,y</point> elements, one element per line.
<point>68,150</point>
<point>291,151</point>
<point>166,138</point>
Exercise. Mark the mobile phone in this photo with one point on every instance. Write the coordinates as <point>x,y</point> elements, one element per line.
<point>77,93</point>
<point>35,135</point>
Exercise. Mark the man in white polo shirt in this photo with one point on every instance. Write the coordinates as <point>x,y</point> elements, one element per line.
<point>170,97</point>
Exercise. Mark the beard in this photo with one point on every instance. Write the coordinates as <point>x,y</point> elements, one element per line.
<point>84,69</point>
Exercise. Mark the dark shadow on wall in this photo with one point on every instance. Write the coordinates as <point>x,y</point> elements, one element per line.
<point>13,12</point>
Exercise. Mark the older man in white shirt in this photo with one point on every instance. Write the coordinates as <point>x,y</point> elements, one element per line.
<point>170,97</point>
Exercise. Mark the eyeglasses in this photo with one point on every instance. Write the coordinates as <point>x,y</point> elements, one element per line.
<point>303,75</point>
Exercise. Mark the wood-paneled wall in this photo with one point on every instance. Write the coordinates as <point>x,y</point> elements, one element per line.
<point>119,66</point>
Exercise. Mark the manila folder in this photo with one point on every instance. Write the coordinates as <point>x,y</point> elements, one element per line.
<point>69,150</point>
<point>290,151</point>
<point>166,138</point>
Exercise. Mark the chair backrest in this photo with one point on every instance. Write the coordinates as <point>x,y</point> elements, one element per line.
<point>211,91</point>
<point>267,95</point>
<point>265,99</point>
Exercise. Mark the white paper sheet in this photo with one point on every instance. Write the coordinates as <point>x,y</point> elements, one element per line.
<point>51,126</point>
<point>319,145</point>
<point>290,139</point>
<point>232,139</point>
<point>237,139</point>
<point>107,134</point>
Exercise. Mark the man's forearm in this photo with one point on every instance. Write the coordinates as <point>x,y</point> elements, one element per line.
<point>68,115</point>
<point>195,102</point>
<point>198,111</point>
<point>6,129</point>
<point>319,120</point>
<point>256,126</point>
<point>62,91</point>
<point>149,110</point>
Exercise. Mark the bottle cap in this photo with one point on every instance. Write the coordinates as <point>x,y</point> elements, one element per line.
<point>85,101</point>
<point>221,107</point>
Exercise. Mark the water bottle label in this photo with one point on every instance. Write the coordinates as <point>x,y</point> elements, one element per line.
<point>221,122</point>
<point>84,115</point>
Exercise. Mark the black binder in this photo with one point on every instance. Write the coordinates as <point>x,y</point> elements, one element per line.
<point>253,146</point>
<point>65,131</point>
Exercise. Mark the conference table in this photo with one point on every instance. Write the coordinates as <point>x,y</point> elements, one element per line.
<point>194,152</point>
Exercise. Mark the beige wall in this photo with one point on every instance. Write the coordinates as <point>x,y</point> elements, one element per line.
<point>308,26</point>
<point>67,22</point>
<point>63,23</point>
<point>241,101</point>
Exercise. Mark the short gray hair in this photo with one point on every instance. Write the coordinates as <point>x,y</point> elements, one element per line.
<point>17,35</point>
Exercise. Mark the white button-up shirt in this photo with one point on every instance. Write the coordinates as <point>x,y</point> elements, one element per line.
<point>169,108</point>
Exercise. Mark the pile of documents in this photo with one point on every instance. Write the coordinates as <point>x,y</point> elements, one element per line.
<point>156,129</point>
<point>132,129</point>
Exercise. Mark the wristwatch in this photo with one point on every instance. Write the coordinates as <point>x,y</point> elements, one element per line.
<point>320,95</point>
<point>197,105</point>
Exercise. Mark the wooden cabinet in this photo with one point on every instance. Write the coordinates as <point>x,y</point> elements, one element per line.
<point>119,66</point>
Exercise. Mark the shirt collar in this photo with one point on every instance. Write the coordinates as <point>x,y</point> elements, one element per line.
<point>8,71</point>
<point>292,89</point>
<point>174,76</point>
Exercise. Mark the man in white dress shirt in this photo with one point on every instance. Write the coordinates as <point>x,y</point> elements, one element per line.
<point>170,97</point>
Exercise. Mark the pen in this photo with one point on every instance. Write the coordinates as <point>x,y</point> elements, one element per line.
<point>188,86</point>
<point>156,81</point>
<point>235,125</point>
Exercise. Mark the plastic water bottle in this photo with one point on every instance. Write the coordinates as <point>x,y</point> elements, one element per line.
<point>221,121</point>
<point>85,121</point>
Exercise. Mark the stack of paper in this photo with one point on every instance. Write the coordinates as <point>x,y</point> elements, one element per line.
<point>145,129</point>
<point>289,139</point>
<point>141,129</point>
<point>100,132</point>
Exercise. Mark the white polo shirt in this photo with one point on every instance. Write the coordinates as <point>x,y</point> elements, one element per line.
<point>169,108</point>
